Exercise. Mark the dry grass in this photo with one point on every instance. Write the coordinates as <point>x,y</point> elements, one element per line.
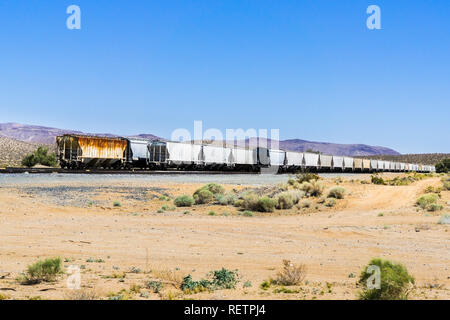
<point>82,294</point>
<point>291,274</point>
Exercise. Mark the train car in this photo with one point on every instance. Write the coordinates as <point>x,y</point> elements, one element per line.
<point>338,163</point>
<point>374,165</point>
<point>348,163</point>
<point>311,160</point>
<point>380,165</point>
<point>325,162</point>
<point>358,164</point>
<point>402,166</point>
<point>79,152</point>
<point>184,155</point>
<point>216,156</point>
<point>366,165</point>
<point>406,167</point>
<point>277,158</point>
<point>244,158</point>
<point>397,166</point>
<point>391,166</point>
<point>138,152</point>
<point>294,160</point>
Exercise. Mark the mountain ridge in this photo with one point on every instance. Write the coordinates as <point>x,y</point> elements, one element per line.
<point>35,134</point>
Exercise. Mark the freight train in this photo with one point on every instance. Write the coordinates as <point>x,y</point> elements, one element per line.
<point>77,152</point>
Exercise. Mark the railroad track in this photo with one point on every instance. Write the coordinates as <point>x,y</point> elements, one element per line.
<point>102,171</point>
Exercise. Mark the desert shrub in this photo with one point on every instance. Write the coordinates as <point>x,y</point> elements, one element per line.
<point>81,295</point>
<point>117,204</point>
<point>43,270</point>
<point>29,161</point>
<point>435,207</point>
<point>305,204</point>
<point>202,196</point>
<point>285,201</point>
<point>443,166</point>
<point>291,274</point>
<point>431,189</point>
<point>216,280</point>
<point>266,204</point>
<point>313,188</point>
<point>40,156</point>
<point>307,177</point>
<point>330,202</point>
<point>444,219</point>
<point>184,201</point>
<point>247,213</point>
<point>155,286</point>
<point>427,199</point>
<point>214,188</point>
<point>396,282</point>
<point>446,185</point>
<point>375,179</point>
<point>226,199</point>
<point>336,192</point>
<point>251,201</point>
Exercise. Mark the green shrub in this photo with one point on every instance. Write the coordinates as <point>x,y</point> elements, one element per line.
<point>377,180</point>
<point>43,270</point>
<point>266,204</point>
<point>211,213</point>
<point>330,202</point>
<point>446,185</point>
<point>29,161</point>
<point>155,286</point>
<point>427,199</point>
<point>40,156</point>
<point>117,204</point>
<point>214,188</point>
<point>184,201</point>
<point>203,196</point>
<point>217,280</point>
<point>336,192</point>
<point>434,207</point>
<point>313,188</point>
<point>285,201</point>
<point>247,213</point>
<point>443,166</point>
<point>226,199</point>
<point>395,282</point>
<point>307,177</point>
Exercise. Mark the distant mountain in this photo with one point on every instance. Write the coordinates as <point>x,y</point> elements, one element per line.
<point>45,135</point>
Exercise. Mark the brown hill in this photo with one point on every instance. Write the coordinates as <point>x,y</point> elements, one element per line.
<point>12,151</point>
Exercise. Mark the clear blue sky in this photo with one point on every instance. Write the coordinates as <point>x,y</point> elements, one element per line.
<point>310,68</point>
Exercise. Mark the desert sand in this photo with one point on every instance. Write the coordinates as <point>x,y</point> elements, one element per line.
<point>133,243</point>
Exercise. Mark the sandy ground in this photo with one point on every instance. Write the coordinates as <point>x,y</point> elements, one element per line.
<point>133,243</point>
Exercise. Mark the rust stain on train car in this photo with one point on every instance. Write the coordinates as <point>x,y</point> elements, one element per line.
<point>366,164</point>
<point>358,163</point>
<point>102,148</point>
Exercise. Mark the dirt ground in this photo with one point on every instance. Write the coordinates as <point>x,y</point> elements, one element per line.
<point>120,248</point>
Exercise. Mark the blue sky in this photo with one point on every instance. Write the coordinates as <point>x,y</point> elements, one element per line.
<point>310,68</point>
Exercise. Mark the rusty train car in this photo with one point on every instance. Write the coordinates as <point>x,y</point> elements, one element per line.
<point>81,152</point>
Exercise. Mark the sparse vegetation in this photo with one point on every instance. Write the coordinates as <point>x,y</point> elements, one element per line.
<point>330,202</point>
<point>155,286</point>
<point>81,294</point>
<point>337,193</point>
<point>313,188</point>
<point>226,199</point>
<point>42,271</point>
<point>206,193</point>
<point>216,280</point>
<point>117,204</point>
<point>287,199</point>
<point>396,282</point>
<point>184,201</point>
<point>443,166</point>
<point>427,200</point>
<point>307,177</point>
<point>291,274</point>
<point>247,213</point>
<point>40,156</point>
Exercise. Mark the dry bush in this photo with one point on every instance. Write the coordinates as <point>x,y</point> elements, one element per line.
<point>291,274</point>
<point>81,294</point>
